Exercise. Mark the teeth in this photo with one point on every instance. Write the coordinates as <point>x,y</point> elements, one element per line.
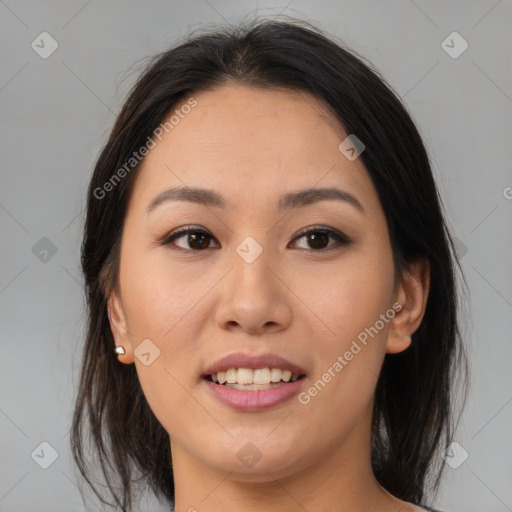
<point>287,375</point>
<point>244,376</point>
<point>275,374</point>
<point>248,377</point>
<point>231,376</point>
<point>261,376</point>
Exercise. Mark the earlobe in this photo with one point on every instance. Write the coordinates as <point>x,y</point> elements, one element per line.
<point>412,295</point>
<point>119,328</point>
<point>398,343</point>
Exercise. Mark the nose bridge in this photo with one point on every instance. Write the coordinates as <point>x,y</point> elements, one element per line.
<point>251,260</point>
<point>256,237</point>
<point>252,296</point>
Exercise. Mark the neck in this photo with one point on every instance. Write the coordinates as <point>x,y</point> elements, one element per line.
<point>340,479</point>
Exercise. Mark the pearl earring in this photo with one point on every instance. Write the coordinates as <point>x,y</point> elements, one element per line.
<point>120,351</point>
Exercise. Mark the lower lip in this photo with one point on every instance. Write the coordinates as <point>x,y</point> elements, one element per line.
<point>254,400</point>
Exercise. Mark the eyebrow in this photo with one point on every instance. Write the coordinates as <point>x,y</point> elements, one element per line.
<point>288,201</point>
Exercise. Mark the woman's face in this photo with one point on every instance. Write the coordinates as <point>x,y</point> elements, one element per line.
<point>250,283</point>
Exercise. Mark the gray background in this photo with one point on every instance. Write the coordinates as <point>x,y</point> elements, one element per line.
<point>56,113</point>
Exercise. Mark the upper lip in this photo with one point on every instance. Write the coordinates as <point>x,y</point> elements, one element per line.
<point>244,360</point>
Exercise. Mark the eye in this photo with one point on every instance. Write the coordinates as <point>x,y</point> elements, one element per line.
<point>318,238</point>
<point>197,239</point>
<point>194,238</point>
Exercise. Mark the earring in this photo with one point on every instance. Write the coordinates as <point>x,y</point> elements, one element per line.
<point>120,351</point>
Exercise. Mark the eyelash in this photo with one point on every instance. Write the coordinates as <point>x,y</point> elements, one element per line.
<point>340,238</point>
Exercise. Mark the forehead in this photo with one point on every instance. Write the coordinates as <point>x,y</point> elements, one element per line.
<point>258,140</point>
<point>240,120</point>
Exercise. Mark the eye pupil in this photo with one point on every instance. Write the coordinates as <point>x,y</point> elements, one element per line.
<point>317,239</point>
<point>202,237</point>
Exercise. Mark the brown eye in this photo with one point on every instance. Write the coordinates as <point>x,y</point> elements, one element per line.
<point>198,240</point>
<point>318,238</point>
<point>193,239</point>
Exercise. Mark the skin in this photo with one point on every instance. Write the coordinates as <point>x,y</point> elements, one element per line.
<point>251,145</point>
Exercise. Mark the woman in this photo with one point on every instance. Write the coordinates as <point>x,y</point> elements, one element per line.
<point>271,286</point>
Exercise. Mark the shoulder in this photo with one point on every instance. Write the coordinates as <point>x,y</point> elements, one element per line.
<point>411,507</point>
<point>424,508</point>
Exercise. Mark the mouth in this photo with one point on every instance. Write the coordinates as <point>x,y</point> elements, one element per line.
<point>253,383</point>
<point>249,379</point>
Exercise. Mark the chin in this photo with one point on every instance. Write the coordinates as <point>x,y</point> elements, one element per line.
<point>260,473</point>
<point>248,463</point>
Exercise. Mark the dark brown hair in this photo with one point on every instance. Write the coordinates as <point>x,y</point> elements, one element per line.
<point>414,400</point>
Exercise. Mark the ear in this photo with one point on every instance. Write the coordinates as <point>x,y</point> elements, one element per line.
<point>412,294</point>
<point>119,328</point>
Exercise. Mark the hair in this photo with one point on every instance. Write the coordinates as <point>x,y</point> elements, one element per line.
<point>414,403</point>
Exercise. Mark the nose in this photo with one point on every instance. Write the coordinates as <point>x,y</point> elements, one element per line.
<point>254,297</point>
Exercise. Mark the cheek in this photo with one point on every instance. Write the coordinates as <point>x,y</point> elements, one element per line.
<point>356,308</point>
<point>159,297</point>
<point>164,305</point>
<point>351,296</point>
<point>165,312</point>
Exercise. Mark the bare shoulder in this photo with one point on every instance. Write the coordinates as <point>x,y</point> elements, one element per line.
<point>415,508</point>
<point>406,506</point>
<point>418,509</point>
<point>411,507</point>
